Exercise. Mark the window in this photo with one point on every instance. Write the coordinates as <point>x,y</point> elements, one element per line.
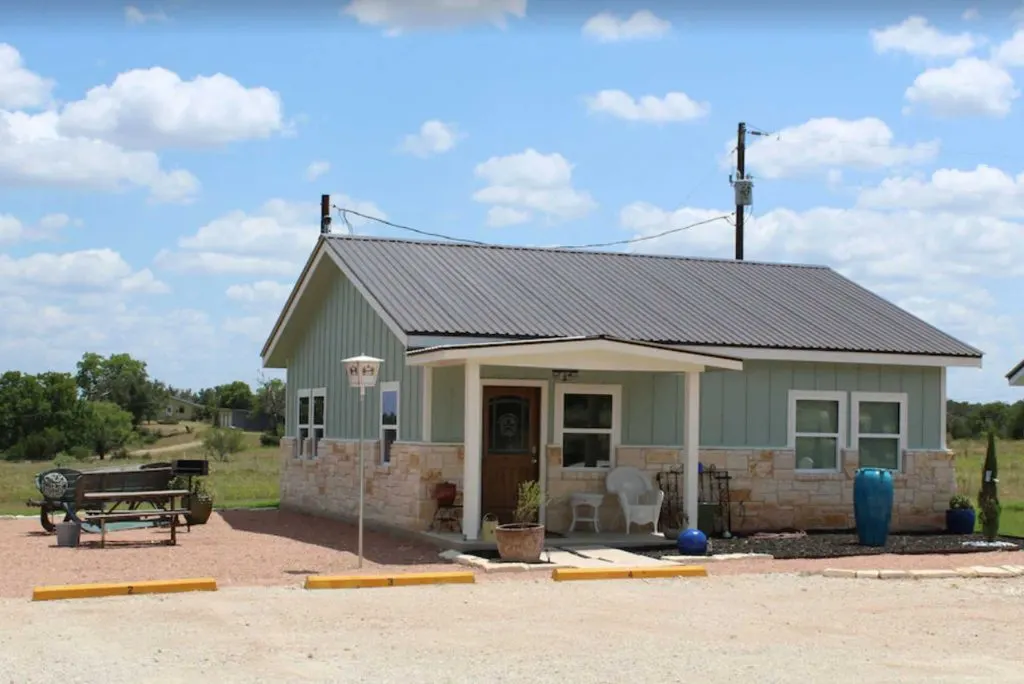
<point>880,428</point>
<point>587,424</point>
<point>312,421</point>
<point>389,416</point>
<point>817,428</point>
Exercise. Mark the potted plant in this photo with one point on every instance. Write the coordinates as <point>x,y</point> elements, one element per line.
<point>523,540</point>
<point>199,501</point>
<point>960,515</point>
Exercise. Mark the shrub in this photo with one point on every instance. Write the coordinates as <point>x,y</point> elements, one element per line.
<point>80,453</point>
<point>39,446</point>
<point>528,502</point>
<point>221,443</point>
<point>961,501</point>
<point>988,498</point>
<point>269,439</point>
<point>119,454</point>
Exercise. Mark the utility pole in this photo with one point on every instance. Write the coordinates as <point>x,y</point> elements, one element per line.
<point>741,168</point>
<point>325,214</point>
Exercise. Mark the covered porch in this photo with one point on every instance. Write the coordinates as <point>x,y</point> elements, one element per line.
<point>513,431</point>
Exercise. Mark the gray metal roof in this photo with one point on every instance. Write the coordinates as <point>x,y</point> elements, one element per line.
<point>434,288</point>
<point>1016,369</point>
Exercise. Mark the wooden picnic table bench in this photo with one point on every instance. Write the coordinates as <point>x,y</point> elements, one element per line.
<point>162,501</point>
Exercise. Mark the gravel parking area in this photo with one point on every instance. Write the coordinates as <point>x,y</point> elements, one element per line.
<point>755,628</point>
<point>257,547</point>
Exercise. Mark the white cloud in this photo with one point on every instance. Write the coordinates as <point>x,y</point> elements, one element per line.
<point>675,106</point>
<point>434,137</point>
<point>253,328</point>
<point>642,25</point>
<point>984,190</point>
<point>317,169</point>
<point>134,16</point>
<point>261,292</point>
<point>398,16</point>
<point>499,217</point>
<point>89,268</point>
<point>34,152</point>
<point>971,14</point>
<point>831,143</point>
<point>47,227</point>
<point>154,108</point>
<point>533,182</point>
<point>273,240</point>
<point>19,87</point>
<point>1010,53</point>
<point>915,36</point>
<point>969,87</point>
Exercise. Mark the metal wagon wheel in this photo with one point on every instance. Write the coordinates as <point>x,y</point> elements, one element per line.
<point>50,515</point>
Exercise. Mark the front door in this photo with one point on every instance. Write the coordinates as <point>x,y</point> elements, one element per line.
<point>511,446</point>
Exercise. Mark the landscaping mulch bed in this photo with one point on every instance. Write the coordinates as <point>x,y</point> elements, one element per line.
<point>839,544</point>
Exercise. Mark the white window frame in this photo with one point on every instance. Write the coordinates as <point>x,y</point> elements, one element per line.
<point>311,426</point>
<point>395,387</point>
<point>900,398</point>
<point>841,436</point>
<point>562,389</point>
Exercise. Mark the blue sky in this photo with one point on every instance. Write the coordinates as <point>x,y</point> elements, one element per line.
<point>160,170</point>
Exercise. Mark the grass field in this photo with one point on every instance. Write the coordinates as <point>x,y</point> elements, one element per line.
<point>250,478</point>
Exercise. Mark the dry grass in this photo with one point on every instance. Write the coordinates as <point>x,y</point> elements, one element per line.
<point>171,435</point>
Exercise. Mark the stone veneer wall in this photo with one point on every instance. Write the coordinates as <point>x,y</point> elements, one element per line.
<point>400,493</point>
<point>767,493</point>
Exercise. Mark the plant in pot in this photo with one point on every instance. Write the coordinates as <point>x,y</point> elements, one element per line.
<point>199,501</point>
<point>523,540</point>
<point>960,516</point>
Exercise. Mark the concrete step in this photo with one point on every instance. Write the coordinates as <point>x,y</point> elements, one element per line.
<point>571,560</point>
<point>618,556</point>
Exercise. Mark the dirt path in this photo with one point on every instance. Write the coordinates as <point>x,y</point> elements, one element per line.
<point>165,449</point>
<point>751,628</point>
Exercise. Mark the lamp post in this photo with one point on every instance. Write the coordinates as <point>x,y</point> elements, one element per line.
<point>362,372</point>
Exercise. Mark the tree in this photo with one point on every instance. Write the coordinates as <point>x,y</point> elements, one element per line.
<point>122,380</point>
<point>108,427</point>
<point>270,401</point>
<point>988,498</point>
<point>41,413</point>
<point>222,442</point>
<point>235,395</point>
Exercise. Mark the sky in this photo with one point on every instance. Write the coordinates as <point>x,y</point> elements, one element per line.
<point>161,165</point>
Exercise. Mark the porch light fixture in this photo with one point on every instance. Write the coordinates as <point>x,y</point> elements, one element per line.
<point>362,372</point>
<point>564,375</point>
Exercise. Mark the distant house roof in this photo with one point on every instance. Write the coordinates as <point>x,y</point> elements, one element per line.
<point>447,289</point>
<point>1016,374</point>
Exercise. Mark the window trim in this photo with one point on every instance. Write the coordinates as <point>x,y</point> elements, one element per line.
<point>563,388</point>
<point>841,435</point>
<point>395,387</point>
<point>311,394</point>
<point>900,398</point>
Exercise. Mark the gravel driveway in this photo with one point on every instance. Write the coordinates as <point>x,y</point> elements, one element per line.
<point>750,628</point>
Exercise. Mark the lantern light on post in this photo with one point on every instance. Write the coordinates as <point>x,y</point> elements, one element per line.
<point>362,372</point>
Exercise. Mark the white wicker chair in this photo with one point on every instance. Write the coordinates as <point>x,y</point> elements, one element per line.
<point>640,500</point>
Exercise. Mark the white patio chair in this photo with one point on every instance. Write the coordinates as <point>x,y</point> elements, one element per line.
<point>640,500</point>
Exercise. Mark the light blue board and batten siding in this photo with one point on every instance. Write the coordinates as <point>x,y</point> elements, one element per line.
<point>338,324</point>
<point>738,408</point>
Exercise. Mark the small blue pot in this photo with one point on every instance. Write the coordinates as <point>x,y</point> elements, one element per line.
<point>960,520</point>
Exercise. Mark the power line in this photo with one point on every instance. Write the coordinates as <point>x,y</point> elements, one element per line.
<point>343,211</point>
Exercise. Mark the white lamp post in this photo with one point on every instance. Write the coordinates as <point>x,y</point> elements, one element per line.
<point>362,372</point>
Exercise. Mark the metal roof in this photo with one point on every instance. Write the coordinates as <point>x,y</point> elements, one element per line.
<point>436,288</point>
<point>1016,369</point>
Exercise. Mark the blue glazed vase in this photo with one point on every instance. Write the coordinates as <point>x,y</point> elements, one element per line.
<point>872,505</point>
<point>960,520</point>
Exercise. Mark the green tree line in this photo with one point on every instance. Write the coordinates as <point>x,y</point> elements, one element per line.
<point>101,407</point>
<point>965,420</point>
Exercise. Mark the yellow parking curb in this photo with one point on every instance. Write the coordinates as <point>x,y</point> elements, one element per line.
<point>73,591</point>
<point>646,572</point>
<point>403,580</point>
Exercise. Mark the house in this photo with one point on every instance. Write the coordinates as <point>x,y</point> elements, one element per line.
<point>176,408</point>
<point>242,419</point>
<point>1016,375</point>
<point>503,364</point>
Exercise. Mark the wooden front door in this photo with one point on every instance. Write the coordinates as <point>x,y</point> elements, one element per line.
<point>511,448</point>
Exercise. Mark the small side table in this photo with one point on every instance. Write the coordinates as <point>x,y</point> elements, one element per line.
<point>581,500</point>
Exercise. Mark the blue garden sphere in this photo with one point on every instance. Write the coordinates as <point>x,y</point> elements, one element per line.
<point>692,542</point>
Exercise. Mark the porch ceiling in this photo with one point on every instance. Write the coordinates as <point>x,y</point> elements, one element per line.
<point>575,353</point>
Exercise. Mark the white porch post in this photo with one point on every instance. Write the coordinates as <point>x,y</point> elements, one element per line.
<point>472,438</point>
<point>691,436</point>
<point>426,417</point>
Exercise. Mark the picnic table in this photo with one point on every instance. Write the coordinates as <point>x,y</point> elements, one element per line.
<point>162,500</point>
